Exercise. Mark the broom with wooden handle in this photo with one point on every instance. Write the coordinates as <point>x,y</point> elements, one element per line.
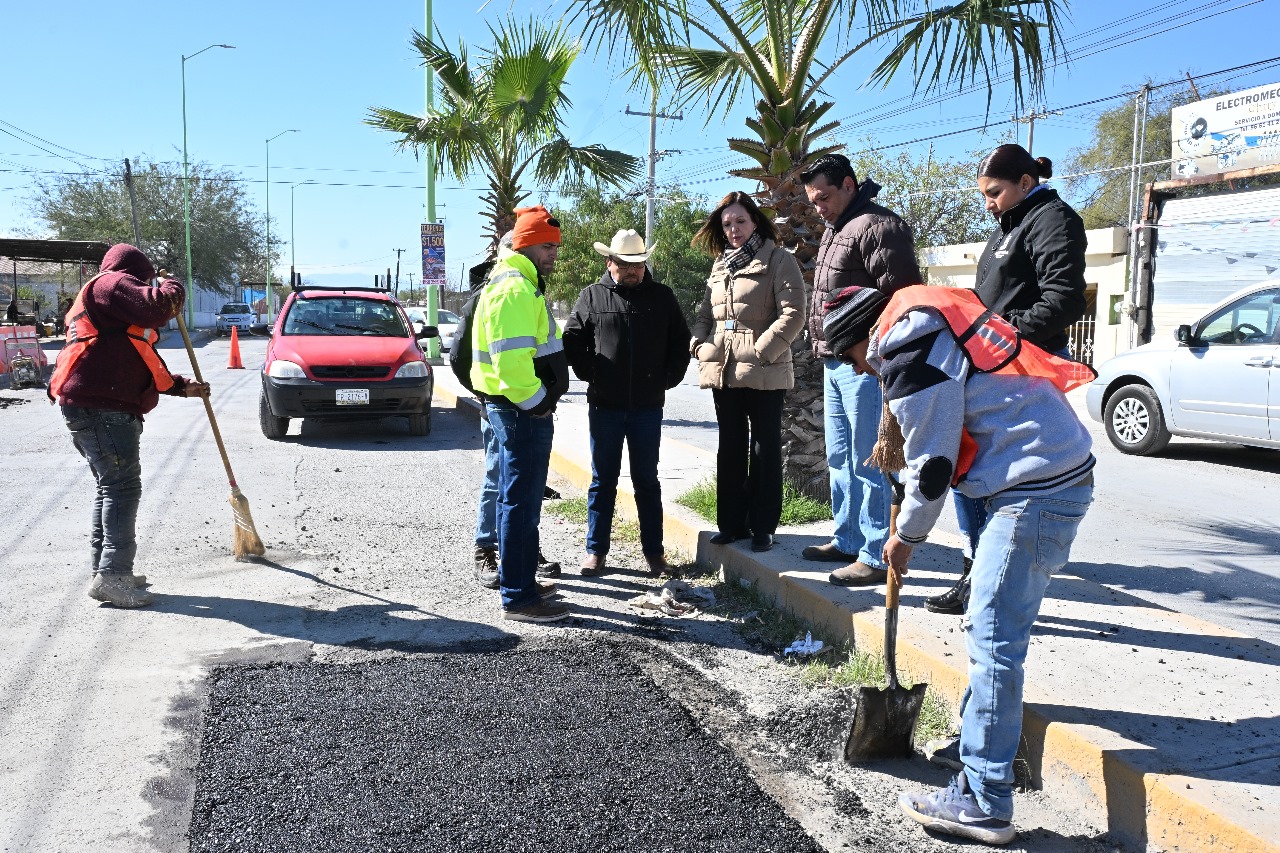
<point>247,542</point>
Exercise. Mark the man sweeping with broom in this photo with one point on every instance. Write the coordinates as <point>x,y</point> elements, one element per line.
<point>971,404</point>
<point>108,376</point>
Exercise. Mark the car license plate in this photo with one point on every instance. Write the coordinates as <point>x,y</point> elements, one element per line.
<point>352,396</point>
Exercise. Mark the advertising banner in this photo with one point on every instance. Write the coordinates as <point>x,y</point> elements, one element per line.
<point>1240,130</point>
<point>433,272</point>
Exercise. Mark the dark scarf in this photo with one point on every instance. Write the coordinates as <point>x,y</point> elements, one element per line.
<point>736,259</point>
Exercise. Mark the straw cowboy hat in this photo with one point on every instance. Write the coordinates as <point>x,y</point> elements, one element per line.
<point>626,246</point>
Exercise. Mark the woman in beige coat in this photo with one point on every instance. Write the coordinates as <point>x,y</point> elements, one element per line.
<point>753,308</point>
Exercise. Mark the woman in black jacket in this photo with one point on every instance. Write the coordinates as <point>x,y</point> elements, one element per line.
<point>1032,274</point>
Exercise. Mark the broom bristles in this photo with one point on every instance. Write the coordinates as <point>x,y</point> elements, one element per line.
<point>889,453</point>
<point>247,542</point>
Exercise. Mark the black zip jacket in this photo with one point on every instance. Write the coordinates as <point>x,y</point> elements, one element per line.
<point>629,344</point>
<point>1032,271</point>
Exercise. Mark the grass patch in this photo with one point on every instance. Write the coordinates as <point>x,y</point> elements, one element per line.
<point>838,665</point>
<point>574,510</point>
<point>796,507</point>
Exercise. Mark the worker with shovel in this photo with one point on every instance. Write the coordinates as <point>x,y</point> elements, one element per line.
<point>971,404</point>
<point>108,376</point>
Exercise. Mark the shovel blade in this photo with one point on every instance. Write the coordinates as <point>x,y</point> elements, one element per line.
<point>884,723</point>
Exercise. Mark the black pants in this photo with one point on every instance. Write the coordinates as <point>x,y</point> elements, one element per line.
<point>749,460</point>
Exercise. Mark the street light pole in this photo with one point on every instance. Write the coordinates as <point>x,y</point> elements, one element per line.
<point>186,189</point>
<point>268,293</point>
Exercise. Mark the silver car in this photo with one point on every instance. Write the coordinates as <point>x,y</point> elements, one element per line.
<point>233,314</point>
<point>1217,378</point>
<point>446,323</point>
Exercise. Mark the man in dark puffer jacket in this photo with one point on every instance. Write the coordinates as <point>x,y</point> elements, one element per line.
<point>627,339</point>
<point>865,245</point>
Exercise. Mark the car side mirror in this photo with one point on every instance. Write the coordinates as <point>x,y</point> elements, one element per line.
<point>427,332</point>
<point>1184,336</point>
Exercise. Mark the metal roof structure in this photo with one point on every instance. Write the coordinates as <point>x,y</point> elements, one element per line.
<point>71,251</point>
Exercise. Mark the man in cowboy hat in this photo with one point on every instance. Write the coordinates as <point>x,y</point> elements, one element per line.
<point>628,340</point>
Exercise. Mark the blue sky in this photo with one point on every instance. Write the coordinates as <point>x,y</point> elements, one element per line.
<point>88,84</point>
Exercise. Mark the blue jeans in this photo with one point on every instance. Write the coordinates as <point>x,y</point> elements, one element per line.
<point>524,454</point>
<point>487,513</point>
<point>109,441</point>
<point>642,431</point>
<point>971,513</point>
<point>1024,542</point>
<point>860,495</point>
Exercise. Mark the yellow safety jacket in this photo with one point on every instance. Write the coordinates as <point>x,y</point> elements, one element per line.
<point>516,350</point>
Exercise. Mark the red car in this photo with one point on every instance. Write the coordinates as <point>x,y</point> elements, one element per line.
<point>345,355</point>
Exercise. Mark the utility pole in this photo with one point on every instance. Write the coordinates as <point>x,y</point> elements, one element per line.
<point>398,252</point>
<point>651,186</point>
<point>133,205</point>
<point>1030,121</point>
<point>432,294</point>
<point>412,293</point>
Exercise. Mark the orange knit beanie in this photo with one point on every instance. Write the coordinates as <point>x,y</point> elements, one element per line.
<point>534,225</point>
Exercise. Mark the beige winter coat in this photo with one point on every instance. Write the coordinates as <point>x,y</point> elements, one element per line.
<point>764,305</point>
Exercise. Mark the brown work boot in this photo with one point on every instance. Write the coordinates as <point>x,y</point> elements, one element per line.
<point>538,610</point>
<point>592,566</point>
<point>858,574</point>
<point>827,553</point>
<point>118,589</point>
<point>658,565</point>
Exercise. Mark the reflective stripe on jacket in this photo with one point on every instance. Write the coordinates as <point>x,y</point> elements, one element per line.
<point>82,334</point>
<point>517,352</point>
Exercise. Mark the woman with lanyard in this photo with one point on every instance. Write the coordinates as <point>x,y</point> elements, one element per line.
<point>751,312</point>
<point>1032,274</point>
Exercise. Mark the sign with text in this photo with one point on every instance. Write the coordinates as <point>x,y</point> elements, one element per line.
<point>1240,130</point>
<point>433,254</point>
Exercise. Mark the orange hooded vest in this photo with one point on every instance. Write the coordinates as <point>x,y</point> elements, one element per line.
<point>81,334</point>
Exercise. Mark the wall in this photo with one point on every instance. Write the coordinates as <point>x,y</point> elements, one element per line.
<point>1105,278</point>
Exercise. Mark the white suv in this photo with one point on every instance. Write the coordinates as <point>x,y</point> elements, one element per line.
<point>237,314</point>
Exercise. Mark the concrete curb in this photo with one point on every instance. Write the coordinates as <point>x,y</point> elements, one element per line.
<point>1098,771</point>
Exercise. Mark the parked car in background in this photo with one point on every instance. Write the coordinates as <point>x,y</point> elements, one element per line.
<point>446,323</point>
<point>345,355</point>
<point>233,315</point>
<point>1217,378</point>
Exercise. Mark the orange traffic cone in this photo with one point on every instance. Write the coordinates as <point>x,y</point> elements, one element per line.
<point>235,363</point>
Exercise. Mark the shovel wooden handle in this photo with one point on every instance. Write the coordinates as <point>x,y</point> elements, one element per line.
<point>892,583</point>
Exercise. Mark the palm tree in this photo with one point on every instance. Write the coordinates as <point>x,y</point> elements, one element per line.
<point>503,116</point>
<point>784,52</point>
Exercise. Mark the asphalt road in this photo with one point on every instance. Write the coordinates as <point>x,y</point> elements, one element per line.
<point>1194,529</point>
<point>358,683</point>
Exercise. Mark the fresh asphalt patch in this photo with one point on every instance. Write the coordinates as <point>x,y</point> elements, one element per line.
<point>562,745</point>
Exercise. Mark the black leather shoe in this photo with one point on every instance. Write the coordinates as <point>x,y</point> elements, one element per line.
<point>761,542</point>
<point>726,538</point>
<point>955,600</point>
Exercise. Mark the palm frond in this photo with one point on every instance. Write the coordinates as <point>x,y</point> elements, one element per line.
<point>455,143</point>
<point>970,41</point>
<point>453,71</point>
<point>716,75</point>
<point>529,63</point>
<point>561,162</point>
<point>629,30</point>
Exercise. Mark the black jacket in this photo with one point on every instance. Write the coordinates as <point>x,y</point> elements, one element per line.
<point>1032,271</point>
<point>629,344</point>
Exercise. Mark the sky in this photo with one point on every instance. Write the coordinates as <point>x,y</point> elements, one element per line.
<point>88,84</point>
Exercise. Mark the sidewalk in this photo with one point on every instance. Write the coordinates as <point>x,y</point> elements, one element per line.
<point>1161,728</point>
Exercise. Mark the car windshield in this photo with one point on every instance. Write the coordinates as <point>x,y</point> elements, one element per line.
<point>344,315</point>
<point>235,308</point>
<point>447,317</point>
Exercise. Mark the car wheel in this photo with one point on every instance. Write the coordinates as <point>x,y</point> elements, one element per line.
<point>272,427</point>
<point>420,424</point>
<point>1135,423</point>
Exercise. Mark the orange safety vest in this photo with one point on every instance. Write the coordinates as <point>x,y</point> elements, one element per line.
<point>991,343</point>
<point>81,334</point>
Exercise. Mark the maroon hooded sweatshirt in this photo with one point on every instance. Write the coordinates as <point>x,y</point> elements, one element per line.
<point>111,375</point>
